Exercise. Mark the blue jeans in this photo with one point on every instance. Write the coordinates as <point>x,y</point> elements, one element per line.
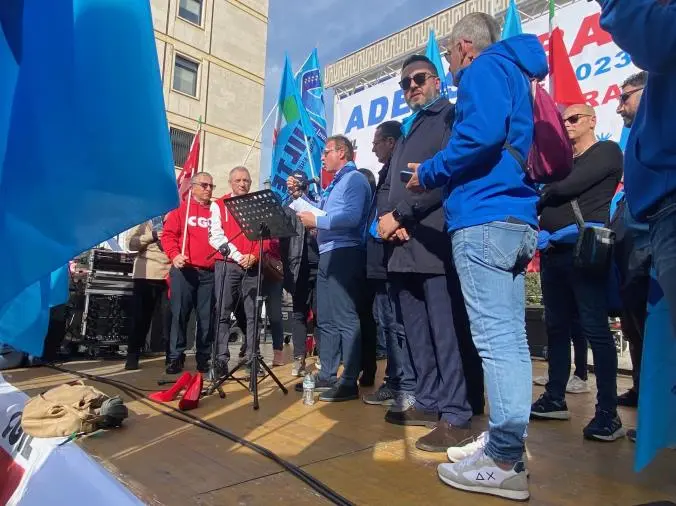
<point>340,282</point>
<point>567,292</point>
<point>663,245</point>
<point>491,260</point>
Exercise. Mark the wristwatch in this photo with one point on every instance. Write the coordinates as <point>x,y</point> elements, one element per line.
<point>397,215</point>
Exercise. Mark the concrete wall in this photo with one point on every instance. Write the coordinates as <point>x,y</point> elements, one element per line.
<point>229,46</point>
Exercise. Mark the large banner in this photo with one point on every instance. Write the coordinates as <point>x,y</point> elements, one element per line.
<point>599,64</point>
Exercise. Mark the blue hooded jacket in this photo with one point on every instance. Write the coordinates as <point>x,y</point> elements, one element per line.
<point>646,29</point>
<point>483,182</point>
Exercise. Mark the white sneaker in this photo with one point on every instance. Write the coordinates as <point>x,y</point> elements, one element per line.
<point>298,368</point>
<point>577,386</point>
<point>479,473</point>
<point>541,380</point>
<point>473,445</point>
<point>467,448</point>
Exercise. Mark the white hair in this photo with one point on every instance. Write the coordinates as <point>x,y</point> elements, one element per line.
<point>479,28</point>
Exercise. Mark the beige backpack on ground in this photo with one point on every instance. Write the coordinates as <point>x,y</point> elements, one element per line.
<point>64,410</point>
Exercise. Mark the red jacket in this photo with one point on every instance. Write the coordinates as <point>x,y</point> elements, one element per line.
<point>239,240</point>
<point>197,248</point>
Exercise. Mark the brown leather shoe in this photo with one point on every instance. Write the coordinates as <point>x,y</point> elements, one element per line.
<point>442,437</point>
<point>412,416</point>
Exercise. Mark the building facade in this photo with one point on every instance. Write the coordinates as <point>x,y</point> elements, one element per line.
<point>212,61</point>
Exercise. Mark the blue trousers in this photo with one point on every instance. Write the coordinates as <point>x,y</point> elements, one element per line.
<point>425,303</point>
<point>340,281</point>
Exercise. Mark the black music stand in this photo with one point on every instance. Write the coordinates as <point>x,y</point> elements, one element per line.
<point>260,216</point>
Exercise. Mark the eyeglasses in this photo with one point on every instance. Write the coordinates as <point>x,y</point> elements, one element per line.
<point>418,79</point>
<point>575,118</point>
<point>327,151</point>
<point>625,96</point>
<point>206,186</point>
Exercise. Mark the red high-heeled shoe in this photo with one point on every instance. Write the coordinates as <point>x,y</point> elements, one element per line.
<point>191,397</point>
<point>170,394</point>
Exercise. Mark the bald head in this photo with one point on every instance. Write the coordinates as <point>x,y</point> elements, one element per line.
<point>580,121</point>
<point>579,109</point>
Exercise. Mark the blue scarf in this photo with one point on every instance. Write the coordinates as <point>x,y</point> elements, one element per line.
<point>407,124</point>
<point>347,168</point>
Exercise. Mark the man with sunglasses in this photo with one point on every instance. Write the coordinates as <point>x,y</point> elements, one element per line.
<point>568,291</point>
<point>420,270</point>
<point>645,29</point>
<point>191,276</point>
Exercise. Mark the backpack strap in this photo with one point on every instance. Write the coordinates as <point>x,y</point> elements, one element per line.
<point>579,219</point>
<point>517,156</point>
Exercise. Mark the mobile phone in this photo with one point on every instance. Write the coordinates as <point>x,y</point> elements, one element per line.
<point>406,176</point>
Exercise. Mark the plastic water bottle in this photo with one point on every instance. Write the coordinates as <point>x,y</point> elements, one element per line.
<point>309,390</point>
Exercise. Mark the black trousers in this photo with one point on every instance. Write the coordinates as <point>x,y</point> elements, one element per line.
<point>304,298</point>
<point>147,296</point>
<point>191,288</point>
<point>633,325</point>
<point>238,289</point>
<point>369,328</point>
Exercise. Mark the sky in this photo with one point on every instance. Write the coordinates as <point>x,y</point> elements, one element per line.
<point>335,28</point>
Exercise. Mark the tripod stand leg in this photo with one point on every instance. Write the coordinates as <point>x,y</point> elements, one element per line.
<point>272,375</point>
<point>254,381</point>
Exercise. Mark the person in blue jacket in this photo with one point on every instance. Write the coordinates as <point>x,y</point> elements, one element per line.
<point>491,216</point>
<point>646,29</point>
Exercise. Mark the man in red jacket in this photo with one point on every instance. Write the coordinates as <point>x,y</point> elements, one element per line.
<point>236,276</point>
<point>191,276</point>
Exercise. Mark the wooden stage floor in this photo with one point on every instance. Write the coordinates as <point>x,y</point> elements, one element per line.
<point>348,446</point>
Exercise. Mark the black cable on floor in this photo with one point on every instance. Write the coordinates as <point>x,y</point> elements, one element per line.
<point>186,417</point>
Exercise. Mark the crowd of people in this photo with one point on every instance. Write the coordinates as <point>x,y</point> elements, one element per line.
<point>427,263</point>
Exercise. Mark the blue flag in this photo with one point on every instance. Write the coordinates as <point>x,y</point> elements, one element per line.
<point>624,138</point>
<point>434,54</point>
<point>512,24</point>
<point>292,134</point>
<point>309,82</point>
<point>657,397</point>
<point>84,147</point>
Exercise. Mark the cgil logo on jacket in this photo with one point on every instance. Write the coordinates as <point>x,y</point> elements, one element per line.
<point>198,221</point>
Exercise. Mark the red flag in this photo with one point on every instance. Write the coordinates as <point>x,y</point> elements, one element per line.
<point>563,85</point>
<point>189,167</point>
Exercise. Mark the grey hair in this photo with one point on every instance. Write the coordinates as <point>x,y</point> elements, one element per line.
<point>479,28</point>
<point>239,168</point>
<point>343,143</point>
<point>637,80</point>
<point>194,180</point>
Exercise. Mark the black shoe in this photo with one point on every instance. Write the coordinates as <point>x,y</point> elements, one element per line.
<point>628,399</point>
<point>631,435</point>
<point>174,367</point>
<point>132,362</point>
<point>320,386</point>
<point>546,408</point>
<point>605,426</point>
<point>203,366</point>
<point>413,416</point>
<point>340,393</point>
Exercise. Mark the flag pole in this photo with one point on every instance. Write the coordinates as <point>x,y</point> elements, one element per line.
<point>187,211</point>
<point>309,156</point>
<point>258,135</point>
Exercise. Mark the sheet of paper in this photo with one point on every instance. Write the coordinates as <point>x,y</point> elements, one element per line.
<point>300,205</point>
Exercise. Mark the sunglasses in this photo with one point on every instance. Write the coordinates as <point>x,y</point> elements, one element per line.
<point>575,118</point>
<point>625,96</point>
<point>206,186</point>
<point>418,79</point>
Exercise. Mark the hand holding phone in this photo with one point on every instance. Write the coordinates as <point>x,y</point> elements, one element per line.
<point>405,176</point>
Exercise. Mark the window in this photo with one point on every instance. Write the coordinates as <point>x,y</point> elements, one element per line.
<point>191,10</point>
<point>180,145</point>
<point>185,75</point>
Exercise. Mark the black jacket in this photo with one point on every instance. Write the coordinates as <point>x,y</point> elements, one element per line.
<point>291,251</point>
<point>428,251</point>
<point>378,252</point>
